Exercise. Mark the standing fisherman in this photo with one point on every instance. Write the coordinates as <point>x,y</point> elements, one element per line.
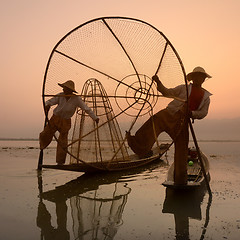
<point>173,121</point>
<point>67,103</point>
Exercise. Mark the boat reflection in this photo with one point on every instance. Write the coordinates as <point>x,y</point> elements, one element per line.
<point>96,206</point>
<point>185,205</point>
<point>89,207</point>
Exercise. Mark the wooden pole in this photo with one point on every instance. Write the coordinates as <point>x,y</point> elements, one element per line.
<point>40,159</point>
<point>200,157</point>
<point>40,189</point>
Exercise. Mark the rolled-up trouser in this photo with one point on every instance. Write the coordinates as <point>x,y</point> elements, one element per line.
<point>61,125</point>
<point>177,127</point>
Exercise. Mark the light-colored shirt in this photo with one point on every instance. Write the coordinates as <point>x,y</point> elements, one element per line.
<point>181,92</point>
<point>66,108</point>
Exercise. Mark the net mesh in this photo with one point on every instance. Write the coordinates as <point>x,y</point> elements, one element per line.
<point>122,54</point>
<point>97,144</point>
<point>98,214</point>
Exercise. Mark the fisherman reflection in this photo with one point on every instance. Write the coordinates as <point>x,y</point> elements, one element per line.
<point>44,222</point>
<point>183,207</point>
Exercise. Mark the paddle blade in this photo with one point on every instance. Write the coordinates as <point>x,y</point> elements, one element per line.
<point>40,160</point>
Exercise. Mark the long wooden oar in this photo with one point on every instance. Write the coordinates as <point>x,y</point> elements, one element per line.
<point>199,157</point>
<point>40,159</point>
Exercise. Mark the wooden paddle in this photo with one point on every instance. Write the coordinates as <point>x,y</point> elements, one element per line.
<point>199,157</point>
<point>40,159</point>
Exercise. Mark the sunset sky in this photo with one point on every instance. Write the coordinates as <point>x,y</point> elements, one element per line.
<point>205,33</point>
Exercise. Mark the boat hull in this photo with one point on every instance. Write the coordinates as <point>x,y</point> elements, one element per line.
<point>101,167</point>
<point>195,175</point>
<point>119,165</point>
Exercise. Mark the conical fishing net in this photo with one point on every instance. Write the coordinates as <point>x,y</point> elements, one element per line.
<point>97,144</point>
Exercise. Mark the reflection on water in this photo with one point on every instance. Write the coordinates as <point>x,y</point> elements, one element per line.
<point>96,203</point>
<point>92,206</point>
<point>44,222</point>
<point>98,214</point>
<point>186,205</point>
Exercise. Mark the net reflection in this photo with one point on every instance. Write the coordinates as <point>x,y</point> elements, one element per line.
<point>96,204</point>
<point>97,215</point>
<point>186,205</point>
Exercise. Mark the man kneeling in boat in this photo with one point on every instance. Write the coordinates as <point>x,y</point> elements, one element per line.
<point>67,103</point>
<point>174,120</point>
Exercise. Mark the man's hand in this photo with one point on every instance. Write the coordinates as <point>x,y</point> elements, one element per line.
<point>190,114</point>
<point>97,120</point>
<point>156,79</point>
<point>160,86</point>
<point>47,108</point>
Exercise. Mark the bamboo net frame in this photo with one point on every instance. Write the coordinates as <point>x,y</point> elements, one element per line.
<point>122,54</point>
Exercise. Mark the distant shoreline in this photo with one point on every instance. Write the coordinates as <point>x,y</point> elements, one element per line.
<point>18,139</point>
<point>165,140</point>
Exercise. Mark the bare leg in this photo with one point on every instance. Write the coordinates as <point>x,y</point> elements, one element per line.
<point>46,136</point>
<point>180,156</point>
<point>64,126</point>
<point>147,134</point>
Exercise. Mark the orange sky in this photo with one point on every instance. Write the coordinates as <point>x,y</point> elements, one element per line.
<point>205,33</point>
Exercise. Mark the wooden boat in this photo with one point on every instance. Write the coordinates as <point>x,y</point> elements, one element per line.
<point>194,172</point>
<point>119,165</point>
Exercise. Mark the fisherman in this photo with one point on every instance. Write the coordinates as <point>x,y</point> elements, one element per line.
<point>174,120</point>
<point>67,103</point>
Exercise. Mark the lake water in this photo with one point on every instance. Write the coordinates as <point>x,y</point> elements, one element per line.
<point>123,205</point>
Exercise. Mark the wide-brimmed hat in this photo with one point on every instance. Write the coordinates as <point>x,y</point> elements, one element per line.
<point>68,84</point>
<point>197,70</point>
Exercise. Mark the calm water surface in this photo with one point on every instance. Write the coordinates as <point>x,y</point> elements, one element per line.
<point>125,205</point>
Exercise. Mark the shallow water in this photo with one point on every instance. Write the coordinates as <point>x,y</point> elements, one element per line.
<point>125,205</point>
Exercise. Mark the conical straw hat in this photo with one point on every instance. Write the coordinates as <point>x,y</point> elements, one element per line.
<point>197,70</point>
<point>69,84</point>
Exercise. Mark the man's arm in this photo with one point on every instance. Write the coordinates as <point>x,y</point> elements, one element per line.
<point>52,101</point>
<point>160,86</point>
<point>203,111</point>
<point>175,93</point>
<point>88,110</point>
